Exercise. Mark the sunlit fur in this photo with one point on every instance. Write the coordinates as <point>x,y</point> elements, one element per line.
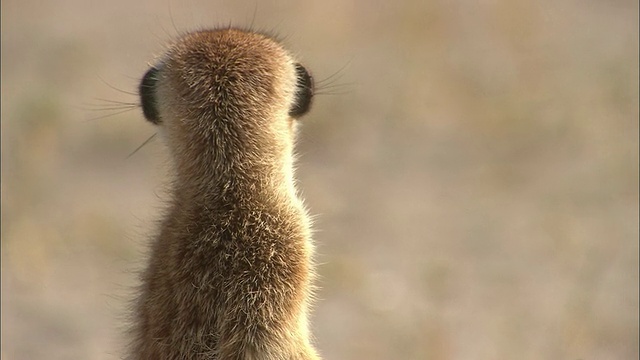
<point>230,272</point>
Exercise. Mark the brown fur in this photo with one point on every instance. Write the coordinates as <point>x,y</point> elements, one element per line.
<point>230,272</point>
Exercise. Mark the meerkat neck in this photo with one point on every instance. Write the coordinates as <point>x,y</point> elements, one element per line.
<point>267,183</point>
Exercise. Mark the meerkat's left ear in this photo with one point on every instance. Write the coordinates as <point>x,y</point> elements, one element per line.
<point>147,90</point>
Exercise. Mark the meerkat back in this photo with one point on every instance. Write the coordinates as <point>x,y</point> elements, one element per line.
<point>230,271</point>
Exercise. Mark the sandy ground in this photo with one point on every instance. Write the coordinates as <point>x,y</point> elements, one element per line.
<point>473,167</point>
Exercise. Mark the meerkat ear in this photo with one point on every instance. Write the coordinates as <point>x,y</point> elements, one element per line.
<point>147,92</point>
<point>304,92</point>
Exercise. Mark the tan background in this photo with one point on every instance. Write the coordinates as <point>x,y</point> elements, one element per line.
<point>475,177</point>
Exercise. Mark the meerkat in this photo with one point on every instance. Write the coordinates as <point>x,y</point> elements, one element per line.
<point>230,272</point>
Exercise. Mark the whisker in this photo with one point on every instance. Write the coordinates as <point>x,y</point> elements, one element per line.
<point>335,86</point>
<point>116,89</point>
<point>108,106</point>
<point>98,107</point>
<point>332,76</point>
<point>253,17</point>
<point>175,28</point>
<point>159,37</point>
<point>110,115</point>
<point>142,145</point>
<point>334,89</point>
<point>116,101</point>
<point>330,80</point>
<point>332,93</point>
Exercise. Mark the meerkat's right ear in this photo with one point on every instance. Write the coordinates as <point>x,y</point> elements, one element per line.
<point>147,92</point>
<point>304,92</point>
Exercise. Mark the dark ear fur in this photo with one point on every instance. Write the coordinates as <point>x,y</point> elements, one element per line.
<point>304,92</point>
<point>147,91</point>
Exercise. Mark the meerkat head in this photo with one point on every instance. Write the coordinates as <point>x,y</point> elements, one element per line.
<point>226,98</point>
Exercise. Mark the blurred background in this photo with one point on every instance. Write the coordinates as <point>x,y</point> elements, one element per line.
<point>473,166</point>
